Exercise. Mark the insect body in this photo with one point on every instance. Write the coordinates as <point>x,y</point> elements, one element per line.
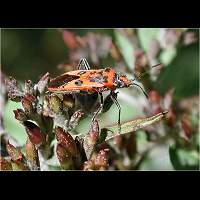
<point>88,81</point>
<point>91,81</point>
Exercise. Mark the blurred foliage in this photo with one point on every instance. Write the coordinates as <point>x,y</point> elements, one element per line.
<point>30,53</point>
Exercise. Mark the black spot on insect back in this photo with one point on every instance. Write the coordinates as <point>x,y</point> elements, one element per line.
<point>78,82</point>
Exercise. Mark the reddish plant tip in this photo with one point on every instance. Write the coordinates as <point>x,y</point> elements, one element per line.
<point>186,126</point>
<point>101,159</point>
<point>34,133</point>
<point>27,102</point>
<point>154,96</point>
<point>70,39</point>
<point>64,157</point>
<point>13,152</point>
<point>20,115</point>
<point>94,132</point>
<point>66,140</point>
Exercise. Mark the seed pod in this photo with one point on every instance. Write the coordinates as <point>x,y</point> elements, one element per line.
<point>5,165</point>
<point>13,152</point>
<point>34,133</point>
<point>55,104</point>
<point>66,140</point>
<point>32,155</point>
<point>64,157</point>
<point>20,115</point>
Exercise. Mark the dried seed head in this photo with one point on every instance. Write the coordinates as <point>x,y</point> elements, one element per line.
<point>66,140</point>
<point>14,91</point>
<point>20,115</point>
<point>34,133</point>
<point>13,152</point>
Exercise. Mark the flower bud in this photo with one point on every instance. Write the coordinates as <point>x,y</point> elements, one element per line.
<point>66,140</point>
<point>55,104</point>
<point>32,155</point>
<point>13,152</point>
<point>20,115</point>
<point>101,160</point>
<point>98,161</point>
<point>34,133</point>
<point>5,165</point>
<point>64,157</point>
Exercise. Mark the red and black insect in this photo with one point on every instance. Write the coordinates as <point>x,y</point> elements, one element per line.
<point>92,82</point>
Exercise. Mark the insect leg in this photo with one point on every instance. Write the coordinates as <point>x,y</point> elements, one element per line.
<point>83,64</point>
<point>119,108</point>
<point>99,108</point>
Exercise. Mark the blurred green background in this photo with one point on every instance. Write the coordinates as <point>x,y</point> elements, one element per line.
<point>30,53</point>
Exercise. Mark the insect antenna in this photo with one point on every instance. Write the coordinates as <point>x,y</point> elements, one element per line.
<point>141,75</point>
<point>146,95</point>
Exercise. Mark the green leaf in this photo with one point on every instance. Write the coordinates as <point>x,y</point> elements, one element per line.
<point>12,126</point>
<point>183,158</point>
<point>133,125</point>
<point>182,73</point>
<point>146,35</point>
<point>167,56</point>
<point>126,49</point>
